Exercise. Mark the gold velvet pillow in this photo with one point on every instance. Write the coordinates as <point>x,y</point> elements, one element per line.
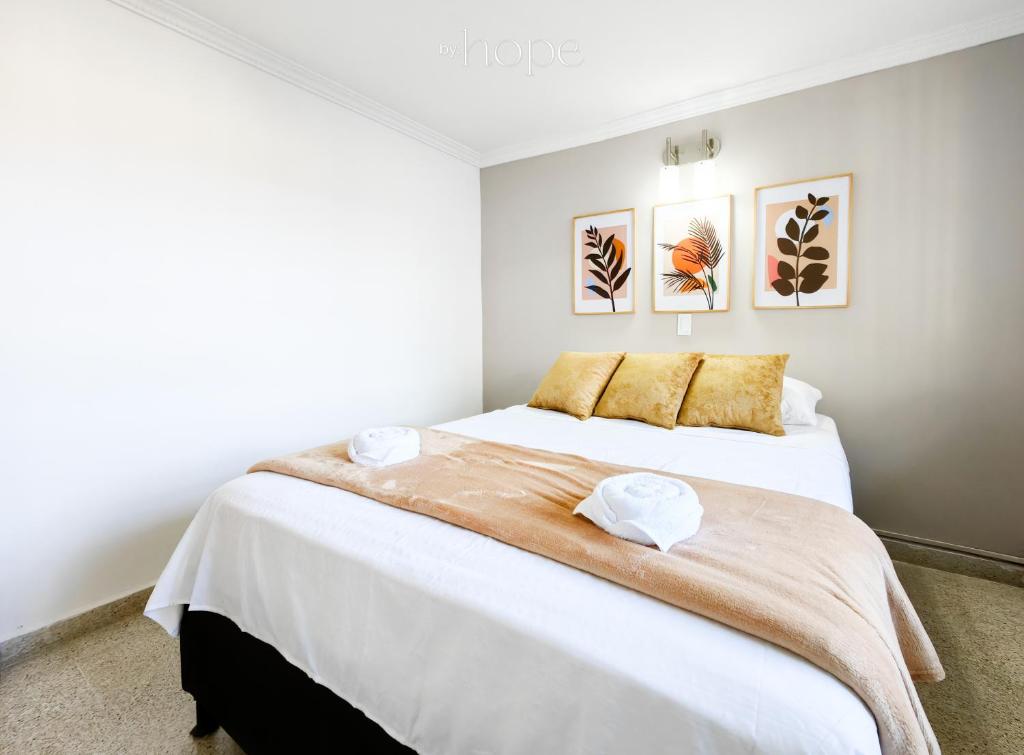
<point>575,382</point>
<point>744,392</point>
<point>648,387</point>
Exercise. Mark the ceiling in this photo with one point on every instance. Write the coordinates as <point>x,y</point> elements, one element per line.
<point>634,57</point>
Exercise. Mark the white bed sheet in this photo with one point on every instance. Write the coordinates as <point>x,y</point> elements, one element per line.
<point>457,643</point>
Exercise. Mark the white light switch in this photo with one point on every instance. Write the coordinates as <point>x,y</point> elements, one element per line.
<point>684,325</point>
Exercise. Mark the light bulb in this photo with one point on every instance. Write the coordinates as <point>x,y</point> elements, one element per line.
<point>668,188</point>
<point>704,178</point>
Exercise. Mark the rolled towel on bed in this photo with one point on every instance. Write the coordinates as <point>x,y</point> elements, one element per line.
<point>384,446</point>
<point>646,508</point>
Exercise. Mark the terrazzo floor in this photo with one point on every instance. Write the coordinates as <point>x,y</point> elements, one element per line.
<point>115,689</point>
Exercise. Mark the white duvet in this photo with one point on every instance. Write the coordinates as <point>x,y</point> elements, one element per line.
<point>456,643</point>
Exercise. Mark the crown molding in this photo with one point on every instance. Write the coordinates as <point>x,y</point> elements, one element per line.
<point>201,29</point>
<point>918,48</point>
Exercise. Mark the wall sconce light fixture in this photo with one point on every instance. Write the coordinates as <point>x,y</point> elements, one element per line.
<point>708,149</point>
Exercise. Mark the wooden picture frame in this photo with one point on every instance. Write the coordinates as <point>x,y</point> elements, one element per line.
<point>604,263</point>
<point>787,220</point>
<point>691,256</point>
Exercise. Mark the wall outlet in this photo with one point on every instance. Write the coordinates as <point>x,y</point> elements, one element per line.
<point>684,325</point>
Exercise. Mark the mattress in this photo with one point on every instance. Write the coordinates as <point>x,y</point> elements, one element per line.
<point>457,643</point>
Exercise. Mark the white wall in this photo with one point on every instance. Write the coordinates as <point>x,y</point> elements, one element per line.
<point>201,266</point>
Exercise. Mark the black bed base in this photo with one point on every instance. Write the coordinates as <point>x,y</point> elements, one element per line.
<point>266,704</point>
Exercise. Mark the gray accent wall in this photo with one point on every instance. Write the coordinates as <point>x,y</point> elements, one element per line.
<point>924,372</point>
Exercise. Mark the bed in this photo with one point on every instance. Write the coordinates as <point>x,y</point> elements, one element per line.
<point>451,642</point>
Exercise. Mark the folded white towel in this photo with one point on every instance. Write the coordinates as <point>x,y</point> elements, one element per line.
<point>646,508</point>
<point>383,446</point>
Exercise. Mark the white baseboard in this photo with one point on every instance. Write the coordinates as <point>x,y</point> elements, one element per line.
<point>979,552</point>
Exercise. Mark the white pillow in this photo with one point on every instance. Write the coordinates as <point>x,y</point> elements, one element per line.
<point>799,400</point>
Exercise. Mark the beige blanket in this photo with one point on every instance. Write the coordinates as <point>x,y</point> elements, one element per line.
<point>801,574</point>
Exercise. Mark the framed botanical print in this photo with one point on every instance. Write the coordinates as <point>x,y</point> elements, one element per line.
<point>603,261</point>
<point>692,256</point>
<point>802,243</point>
